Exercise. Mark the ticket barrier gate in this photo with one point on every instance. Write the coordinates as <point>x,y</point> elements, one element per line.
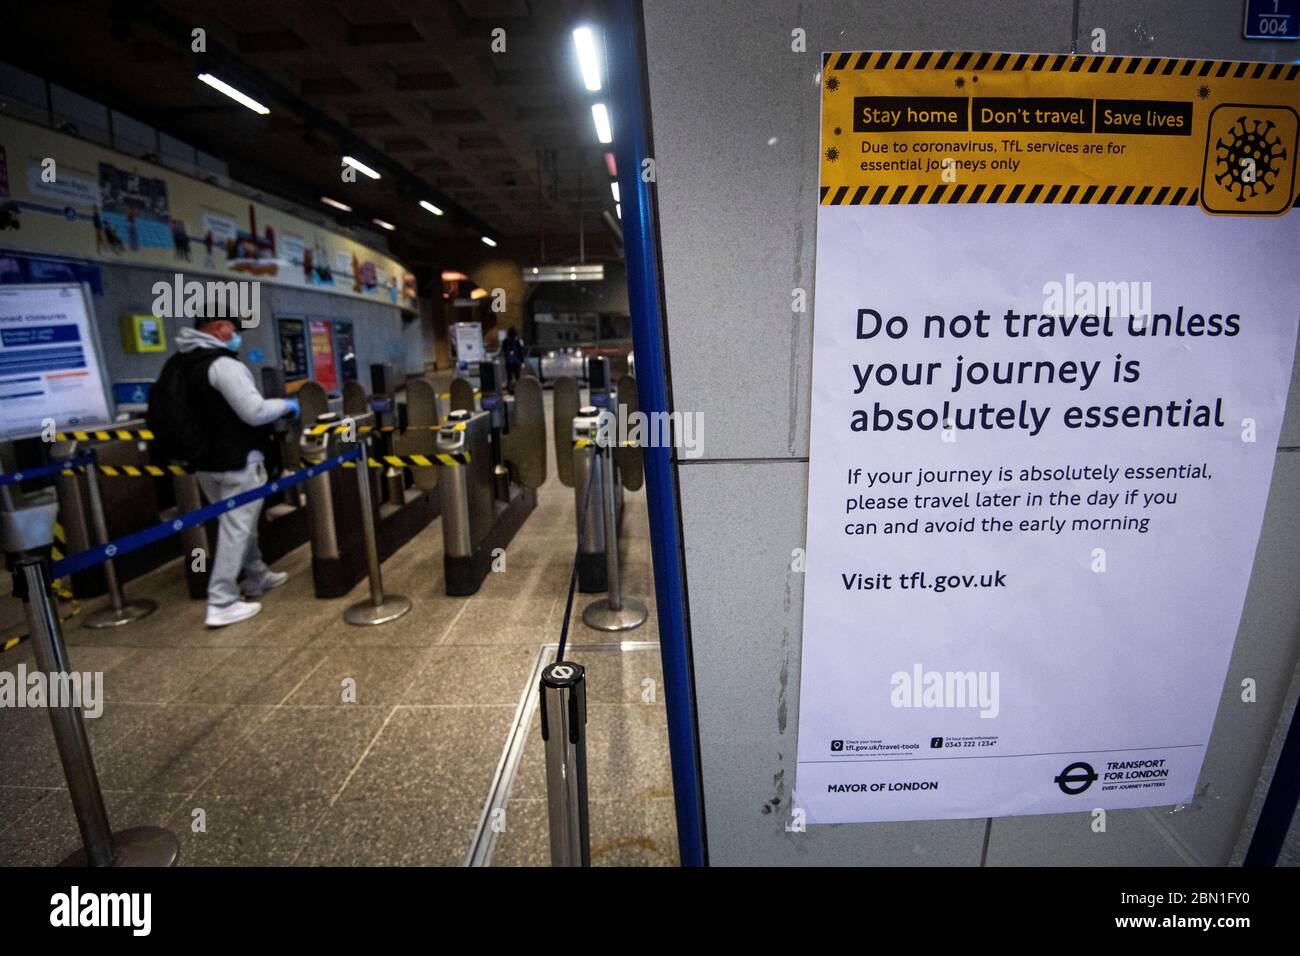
<point>588,495</point>
<point>383,402</point>
<point>497,404</point>
<point>481,507</point>
<point>576,454</point>
<point>284,523</point>
<point>338,558</point>
<point>599,391</point>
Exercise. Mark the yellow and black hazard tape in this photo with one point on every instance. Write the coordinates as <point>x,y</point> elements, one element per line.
<point>335,428</point>
<point>115,434</point>
<point>587,442</point>
<point>440,460</point>
<point>135,471</point>
<point>905,195</point>
<point>73,609</point>
<point>339,429</point>
<point>60,548</point>
<point>1057,63</point>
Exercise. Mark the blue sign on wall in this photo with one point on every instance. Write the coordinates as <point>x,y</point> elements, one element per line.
<point>1272,20</point>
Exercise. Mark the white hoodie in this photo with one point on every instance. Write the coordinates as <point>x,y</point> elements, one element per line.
<point>234,380</point>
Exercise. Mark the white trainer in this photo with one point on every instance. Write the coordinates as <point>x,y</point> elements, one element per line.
<point>232,613</point>
<point>267,582</point>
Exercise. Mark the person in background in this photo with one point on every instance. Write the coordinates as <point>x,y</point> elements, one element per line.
<point>514,354</point>
<point>235,420</point>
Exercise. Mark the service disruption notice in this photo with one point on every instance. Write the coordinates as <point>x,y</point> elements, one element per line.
<point>1056,313</point>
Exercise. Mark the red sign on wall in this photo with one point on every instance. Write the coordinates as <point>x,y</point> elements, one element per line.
<point>322,355</point>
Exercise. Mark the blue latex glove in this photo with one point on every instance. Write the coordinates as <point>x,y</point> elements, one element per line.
<point>293,405</point>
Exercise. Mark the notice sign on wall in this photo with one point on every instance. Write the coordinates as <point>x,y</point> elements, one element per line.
<point>1056,314</point>
<point>49,362</point>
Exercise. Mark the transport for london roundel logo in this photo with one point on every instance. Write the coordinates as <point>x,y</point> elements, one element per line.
<point>1250,160</point>
<point>1076,778</point>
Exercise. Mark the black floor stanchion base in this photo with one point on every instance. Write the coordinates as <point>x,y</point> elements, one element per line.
<point>138,846</point>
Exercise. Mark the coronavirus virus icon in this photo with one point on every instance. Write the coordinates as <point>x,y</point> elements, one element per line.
<point>1250,157</point>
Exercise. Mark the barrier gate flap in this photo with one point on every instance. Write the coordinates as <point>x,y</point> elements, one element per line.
<point>462,395</point>
<point>313,401</point>
<point>629,457</point>
<point>355,399</point>
<point>421,403</point>
<point>565,405</point>
<point>525,444</point>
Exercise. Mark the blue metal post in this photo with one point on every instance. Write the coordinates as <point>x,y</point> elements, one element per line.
<point>630,119</point>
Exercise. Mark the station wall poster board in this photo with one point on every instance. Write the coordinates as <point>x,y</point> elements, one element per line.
<point>1056,314</point>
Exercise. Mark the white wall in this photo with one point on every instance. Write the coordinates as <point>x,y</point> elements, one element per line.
<point>737,222</point>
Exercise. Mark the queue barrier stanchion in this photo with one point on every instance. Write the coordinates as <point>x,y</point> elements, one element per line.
<point>28,534</point>
<point>564,729</point>
<point>120,611</point>
<point>380,608</point>
<point>613,612</point>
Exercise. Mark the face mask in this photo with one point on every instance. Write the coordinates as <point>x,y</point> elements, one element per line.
<point>234,342</point>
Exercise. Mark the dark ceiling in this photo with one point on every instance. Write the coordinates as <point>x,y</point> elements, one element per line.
<point>503,140</point>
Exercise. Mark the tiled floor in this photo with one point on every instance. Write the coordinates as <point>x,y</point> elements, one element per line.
<point>294,738</point>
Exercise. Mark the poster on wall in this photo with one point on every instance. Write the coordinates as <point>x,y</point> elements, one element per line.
<point>345,345</point>
<point>322,355</point>
<point>293,349</point>
<point>69,188</point>
<point>1056,315</point>
<point>222,228</point>
<point>98,204</point>
<point>49,361</point>
<point>135,208</point>
<point>292,249</point>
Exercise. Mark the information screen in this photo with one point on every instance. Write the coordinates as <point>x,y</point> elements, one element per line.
<point>50,368</point>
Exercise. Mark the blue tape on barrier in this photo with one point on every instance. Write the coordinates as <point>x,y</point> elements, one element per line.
<point>43,471</point>
<point>165,529</point>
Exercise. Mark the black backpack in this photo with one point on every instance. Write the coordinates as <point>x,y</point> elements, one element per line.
<point>178,435</point>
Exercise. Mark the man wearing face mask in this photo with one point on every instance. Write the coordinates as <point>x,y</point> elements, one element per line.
<point>234,421</point>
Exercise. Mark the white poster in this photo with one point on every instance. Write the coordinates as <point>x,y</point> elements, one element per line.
<point>1042,442</point>
<point>292,248</point>
<point>220,227</point>
<point>467,341</point>
<point>49,362</point>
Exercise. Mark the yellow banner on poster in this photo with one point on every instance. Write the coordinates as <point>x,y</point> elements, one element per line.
<point>931,127</point>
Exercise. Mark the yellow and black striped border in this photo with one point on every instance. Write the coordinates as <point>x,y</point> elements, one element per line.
<point>1019,193</point>
<point>116,434</point>
<point>440,460</point>
<point>1043,193</point>
<point>1058,63</point>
